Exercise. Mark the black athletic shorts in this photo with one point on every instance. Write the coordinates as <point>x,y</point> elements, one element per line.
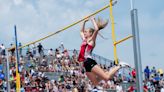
<point>89,64</point>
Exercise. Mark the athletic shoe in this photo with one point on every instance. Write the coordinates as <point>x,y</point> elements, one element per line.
<point>124,64</point>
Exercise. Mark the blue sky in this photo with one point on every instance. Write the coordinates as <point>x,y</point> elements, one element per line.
<point>38,18</point>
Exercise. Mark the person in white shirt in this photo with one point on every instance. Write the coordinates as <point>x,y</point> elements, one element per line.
<point>162,89</point>
<point>118,88</point>
<point>50,52</point>
<point>3,50</point>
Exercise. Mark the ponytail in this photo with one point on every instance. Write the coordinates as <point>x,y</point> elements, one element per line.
<point>101,23</point>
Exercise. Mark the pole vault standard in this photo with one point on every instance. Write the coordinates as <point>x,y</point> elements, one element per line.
<point>17,66</point>
<point>113,32</point>
<point>115,43</point>
<point>17,62</point>
<point>136,43</point>
<point>66,27</point>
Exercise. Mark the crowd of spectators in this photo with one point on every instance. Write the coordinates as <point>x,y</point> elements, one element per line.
<point>57,70</point>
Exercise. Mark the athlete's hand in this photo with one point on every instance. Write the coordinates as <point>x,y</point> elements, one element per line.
<point>87,19</point>
<point>92,18</point>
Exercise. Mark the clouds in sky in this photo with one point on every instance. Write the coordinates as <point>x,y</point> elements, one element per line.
<point>38,18</point>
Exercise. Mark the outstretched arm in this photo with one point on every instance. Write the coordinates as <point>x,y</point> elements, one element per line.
<point>96,29</point>
<point>82,29</point>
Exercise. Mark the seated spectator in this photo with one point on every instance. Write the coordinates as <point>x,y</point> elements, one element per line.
<point>162,89</point>
<point>131,88</point>
<point>118,88</point>
<point>156,80</point>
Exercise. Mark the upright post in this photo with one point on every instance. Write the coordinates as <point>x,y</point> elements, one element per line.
<point>136,48</point>
<point>113,33</point>
<point>17,63</point>
<point>7,72</point>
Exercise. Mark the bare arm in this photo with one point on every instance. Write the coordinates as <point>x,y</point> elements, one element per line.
<point>82,29</point>
<point>96,29</point>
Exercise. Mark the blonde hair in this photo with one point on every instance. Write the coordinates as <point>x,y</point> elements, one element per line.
<point>101,23</point>
<point>91,30</point>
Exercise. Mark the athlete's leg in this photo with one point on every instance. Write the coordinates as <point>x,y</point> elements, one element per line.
<point>93,78</point>
<point>105,75</point>
<point>108,75</point>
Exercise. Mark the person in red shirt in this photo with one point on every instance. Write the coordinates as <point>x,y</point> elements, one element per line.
<point>145,88</point>
<point>93,71</point>
<point>133,88</point>
<point>134,74</point>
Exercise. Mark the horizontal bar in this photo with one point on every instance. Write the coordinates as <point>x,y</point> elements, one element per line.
<point>123,40</point>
